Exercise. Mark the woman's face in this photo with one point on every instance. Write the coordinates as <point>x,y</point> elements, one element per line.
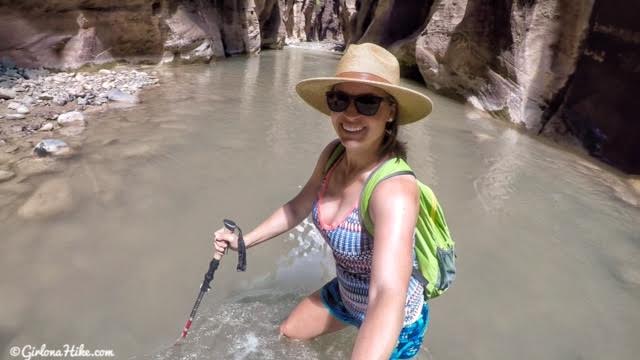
<point>357,131</point>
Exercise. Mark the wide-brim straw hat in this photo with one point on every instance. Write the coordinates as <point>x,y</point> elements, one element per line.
<point>373,65</point>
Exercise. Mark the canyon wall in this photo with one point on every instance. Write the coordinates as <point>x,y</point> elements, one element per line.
<point>552,66</point>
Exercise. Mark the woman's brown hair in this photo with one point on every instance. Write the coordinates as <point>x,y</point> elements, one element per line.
<point>391,146</point>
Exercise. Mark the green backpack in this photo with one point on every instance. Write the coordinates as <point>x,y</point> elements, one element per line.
<point>434,248</point>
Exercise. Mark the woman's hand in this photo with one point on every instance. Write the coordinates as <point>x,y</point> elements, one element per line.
<point>223,239</point>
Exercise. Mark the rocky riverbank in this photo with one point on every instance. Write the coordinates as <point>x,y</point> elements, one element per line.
<point>36,104</point>
<point>44,114</point>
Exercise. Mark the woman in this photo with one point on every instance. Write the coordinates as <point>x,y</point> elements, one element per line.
<point>374,288</point>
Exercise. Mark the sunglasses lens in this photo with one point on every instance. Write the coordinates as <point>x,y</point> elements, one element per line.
<point>337,101</point>
<point>368,105</point>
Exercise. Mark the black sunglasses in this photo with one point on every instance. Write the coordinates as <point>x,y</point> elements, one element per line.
<point>366,104</point>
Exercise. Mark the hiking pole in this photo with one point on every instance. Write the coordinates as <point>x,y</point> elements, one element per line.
<point>213,266</point>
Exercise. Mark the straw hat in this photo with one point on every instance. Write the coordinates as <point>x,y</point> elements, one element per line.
<point>368,64</point>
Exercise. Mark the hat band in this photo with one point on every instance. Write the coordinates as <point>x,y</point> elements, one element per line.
<point>355,75</point>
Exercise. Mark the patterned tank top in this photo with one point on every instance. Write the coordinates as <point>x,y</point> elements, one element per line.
<point>352,249</point>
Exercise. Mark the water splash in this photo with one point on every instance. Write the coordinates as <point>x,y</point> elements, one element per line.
<point>246,327</point>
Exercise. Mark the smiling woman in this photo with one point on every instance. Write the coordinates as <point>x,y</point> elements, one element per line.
<point>375,288</point>
<point>366,121</point>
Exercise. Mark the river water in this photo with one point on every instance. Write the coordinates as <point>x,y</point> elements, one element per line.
<point>548,252</point>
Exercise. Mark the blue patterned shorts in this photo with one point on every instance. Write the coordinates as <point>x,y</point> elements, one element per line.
<point>410,338</point>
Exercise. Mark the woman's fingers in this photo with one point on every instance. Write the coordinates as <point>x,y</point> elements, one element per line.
<point>230,238</point>
<point>222,240</point>
<point>220,245</point>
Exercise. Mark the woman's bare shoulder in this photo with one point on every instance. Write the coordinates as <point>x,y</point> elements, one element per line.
<point>399,189</point>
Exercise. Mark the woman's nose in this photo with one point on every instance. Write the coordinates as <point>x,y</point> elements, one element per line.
<point>351,111</point>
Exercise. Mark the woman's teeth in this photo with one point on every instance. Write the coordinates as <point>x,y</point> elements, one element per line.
<point>352,128</point>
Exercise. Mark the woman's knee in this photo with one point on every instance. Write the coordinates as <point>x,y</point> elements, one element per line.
<point>288,329</point>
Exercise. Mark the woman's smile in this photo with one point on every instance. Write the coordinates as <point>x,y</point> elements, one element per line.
<point>353,129</point>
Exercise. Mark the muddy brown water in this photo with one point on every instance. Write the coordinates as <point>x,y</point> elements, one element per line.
<point>548,253</point>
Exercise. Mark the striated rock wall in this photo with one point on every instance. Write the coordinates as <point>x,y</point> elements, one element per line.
<point>71,33</point>
<point>506,57</point>
<point>551,66</point>
<point>61,34</point>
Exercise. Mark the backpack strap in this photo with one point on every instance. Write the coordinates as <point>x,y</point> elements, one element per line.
<point>390,168</point>
<point>337,151</point>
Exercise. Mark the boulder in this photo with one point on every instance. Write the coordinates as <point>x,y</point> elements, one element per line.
<point>52,198</point>
<point>53,147</point>
<point>7,94</point>
<point>120,96</point>
<point>71,118</point>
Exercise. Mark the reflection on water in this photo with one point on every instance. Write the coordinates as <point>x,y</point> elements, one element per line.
<point>496,185</point>
<point>548,245</point>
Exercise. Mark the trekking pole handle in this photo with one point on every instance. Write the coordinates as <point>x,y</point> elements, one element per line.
<point>231,226</point>
<point>242,249</point>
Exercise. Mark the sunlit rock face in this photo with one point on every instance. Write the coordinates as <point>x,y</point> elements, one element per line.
<point>552,66</point>
<point>68,34</point>
<point>508,58</point>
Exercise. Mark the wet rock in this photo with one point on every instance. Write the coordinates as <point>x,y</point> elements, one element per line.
<point>47,127</point>
<point>52,147</point>
<point>50,115</point>
<point>27,100</point>
<point>167,57</point>
<point>76,91</point>
<point>35,73</point>
<point>37,166</point>
<point>120,96</point>
<point>51,198</point>
<point>60,100</point>
<point>22,109</point>
<point>70,117</point>
<point>6,175</point>
<point>7,94</point>
<point>202,53</point>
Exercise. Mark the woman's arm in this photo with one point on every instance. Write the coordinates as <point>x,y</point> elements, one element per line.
<point>393,209</point>
<point>285,217</point>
